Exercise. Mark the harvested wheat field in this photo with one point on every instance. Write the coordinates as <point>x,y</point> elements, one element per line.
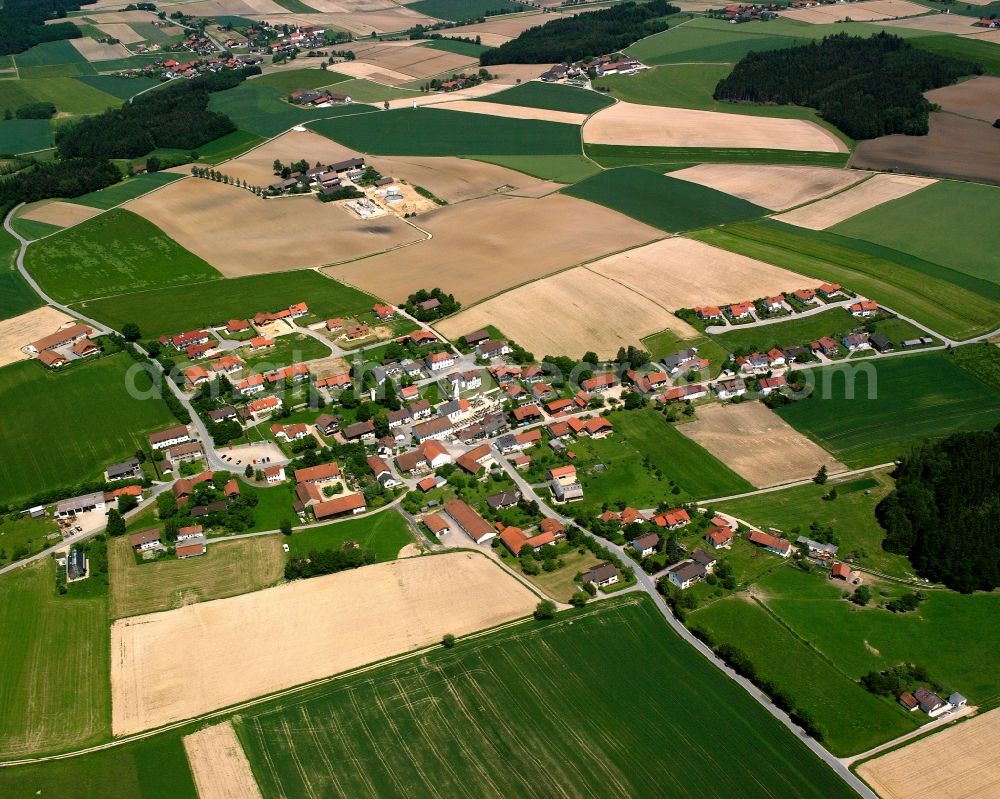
<point>515,111</point>
<point>985,35</point>
<point>774,187</point>
<point>978,98</point>
<point>499,29</point>
<point>170,666</point>
<point>121,31</point>
<point>582,311</point>
<point>682,273</point>
<point>59,213</point>
<point>238,233</point>
<point>218,764</point>
<point>414,61</point>
<point>228,568</point>
<point>28,327</point>
<point>658,126</point>
<point>93,50</point>
<point>960,762</point>
<point>875,191</point>
<point>940,23</point>
<point>859,12</point>
<point>396,18</point>
<point>483,247</point>
<point>757,444</point>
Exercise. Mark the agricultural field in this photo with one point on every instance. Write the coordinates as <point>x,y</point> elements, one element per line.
<point>228,568</point>
<point>24,135</point>
<point>462,10</point>
<point>31,229</point>
<point>614,155</point>
<point>228,146</point>
<point>948,223</point>
<point>947,301</point>
<point>54,213</point>
<point>385,534</point>
<point>551,96</point>
<point>16,296</point>
<point>163,311</point>
<point>693,43</point>
<point>262,110</point>
<point>834,322</point>
<point>362,90</point>
<point>869,194</point>
<point>395,607</point>
<point>511,112</point>
<point>558,168</point>
<point>84,440</point>
<point>431,131</point>
<point>115,253</point>
<point>128,189</point>
<point>917,397</point>
<point>53,647</point>
<point>72,96</point>
<point>414,724</point>
<point>661,201</point>
<point>26,327</point>
<point>457,46</point>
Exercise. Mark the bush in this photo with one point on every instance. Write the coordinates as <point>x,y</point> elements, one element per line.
<point>546,609</point>
<point>448,641</point>
<point>579,599</point>
<point>36,111</point>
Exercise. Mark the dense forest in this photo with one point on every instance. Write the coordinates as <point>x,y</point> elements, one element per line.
<point>945,512</point>
<point>866,87</point>
<point>70,178</point>
<point>176,116</point>
<point>22,23</point>
<point>594,33</point>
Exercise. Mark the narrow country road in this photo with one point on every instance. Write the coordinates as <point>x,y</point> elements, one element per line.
<point>796,483</point>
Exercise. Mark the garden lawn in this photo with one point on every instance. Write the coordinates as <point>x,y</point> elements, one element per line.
<point>915,397</point>
<point>430,131</point>
<point>128,189</point>
<point>614,155</point>
<point>835,322</point>
<point>71,423</point>
<point>384,534</point>
<point>55,691</point>
<point>852,719</point>
<point>114,253</point>
<point>661,201</point>
<point>948,223</point>
<point>261,109</point>
<point>454,719</point>
<point>552,96</point>
<point>169,310</point>
<point>460,10</point>
<point>851,515</point>
<point>950,302</point>
<point>289,349</point>
<point>24,135</point>
<point>16,296</point>
<point>558,168</point>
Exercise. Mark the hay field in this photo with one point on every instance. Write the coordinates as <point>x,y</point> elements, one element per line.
<point>515,111</point>
<point>59,213</point>
<point>879,189</point>
<point>20,330</point>
<point>238,233</point>
<point>774,187</point>
<point>864,11</point>
<point>227,569</point>
<point>485,247</point>
<point>165,667</point>
<point>681,273</point>
<point>659,126</point>
<point>93,50</point>
<point>219,766</point>
<point>581,309</point>
<point>978,98</point>
<point>960,762</point>
<point>757,444</point>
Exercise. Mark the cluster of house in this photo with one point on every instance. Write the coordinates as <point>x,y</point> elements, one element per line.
<point>737,13</point>
<point>604,65</point>
<point>323,491</point>
<point>930,703</point>
<point>191,541</point>
<point>984,22</point>
<point>326,179</point>
<point>172,68</point>
<point>319,98</point>
<point>302,37</point>
<point>94,501</point>
<point>65,345</point>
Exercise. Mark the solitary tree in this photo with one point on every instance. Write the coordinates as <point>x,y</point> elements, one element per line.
<point>116,524</point>
<point>546,609</point>
<point>131,332</point>
<point>286,527</point>
<point>820,478</point>
<point>448,641</point>
<point>248,472</point>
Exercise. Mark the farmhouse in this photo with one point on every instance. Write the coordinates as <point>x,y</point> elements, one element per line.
<point>189,451</point>
<point>274,475</point>
<point>779,546</point>
<point>168,438</point>
<point>817,549</point>
<point>475,338</point>
<point>601,576</point>
<point>318,475</point>
<point>680,360</point>
<point>465,381</point>
<point>191,546</point>
<point>349,504</point>
<point>436,524</point>
<point>503,500</point>
<point>476,459</point>
<point>61,338</point>
<point>727,389</point>
<point>437,428</point>
<point>515,539</point>
<point>690,391</point>
<point>327,424</point>
<point>363,430</point>
<point>493,349</point>
<point>929,702</point>
<point>856,342</point>
<point>439,360</point>
<point>526,413</point>
<point>145,539</point>
<point>840,571</point>
<point>382,472</point>
<point>720,538</point>
<point>602,382</point>
<point>430,454</point>
<point>471,523</point>
<point>52,359</point>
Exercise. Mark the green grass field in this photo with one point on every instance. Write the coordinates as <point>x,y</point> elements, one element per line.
<point>667,342</point>
<point>114,253</point>
<point>50,54</point>
<point>74,95</point>
<point>16,296</point>
<point>944,300</point>
<point>128,189</point>
<point>986,54</point>
<point>551,96</point>
<point>32,230</point>
<point>228,146</point>
<point>25,536</point>
<point>560,168</point>
<point>55,692</point>
<point>470,49</point>
<point>661,201</point>
<point>296,6</point>
<point>361,90</point>
<point>852,719</point>
<point>168,310</point>
<point>288,81</point>
<point>835,322</point>
<point>458,10</point>
<point>642,435</point>
<point>122,88</point>
<point>614,155</point>
<point>84,414</point>
<point>917,397</point>
<point>429,131</point>
<point>468,722</point>
<point>949,223</point>
<point>981,360</point>
<point>24,135</point>
<point>690,43</point>
<point>384,533</point>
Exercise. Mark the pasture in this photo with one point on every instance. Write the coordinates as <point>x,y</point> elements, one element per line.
<point>73,96</point>
<point>54,694</point>
<point>16,296</point>
<point>661,201</point>
<point>228,568</point>
<point>834,322</point>
<point>115,253</point>
<point>866,195</point>
<point>552,96</point>
<point>120,88</point>
<point>163,311</point>
<point>431,131</point>
<point>918,397</point>
<point>692,43</point>
<point>385,534</point>
<point>262,110</point>
<point>947,301</point>
<point>24,135</point>
<point>462,10</point>
<point>455,723</point>
<point>69,441</point>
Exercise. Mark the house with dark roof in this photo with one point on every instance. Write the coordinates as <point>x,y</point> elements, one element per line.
<point>601,576</point>
<point>686,574</point>
<point>645,545</point>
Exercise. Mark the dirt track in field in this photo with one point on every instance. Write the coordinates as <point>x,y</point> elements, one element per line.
<point>879,189</point>
<point>219,765</point>
<point>658,126</point>
<point>28,327</point>
<point>757,444</point>
<point>60,213</point>
<point>774,187</point>
<point>182,663</point>
<point>960,762</point>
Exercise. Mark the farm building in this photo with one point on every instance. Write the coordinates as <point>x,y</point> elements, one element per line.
<point>471,523</point>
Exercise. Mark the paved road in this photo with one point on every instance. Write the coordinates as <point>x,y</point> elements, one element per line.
<point>777,320</point>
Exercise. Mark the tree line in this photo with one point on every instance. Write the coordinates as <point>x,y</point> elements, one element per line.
<point>866,87</point>
<point>328,561</point>
<point>22,23</point>
<point>595,33</point>
<point>945,512</point>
